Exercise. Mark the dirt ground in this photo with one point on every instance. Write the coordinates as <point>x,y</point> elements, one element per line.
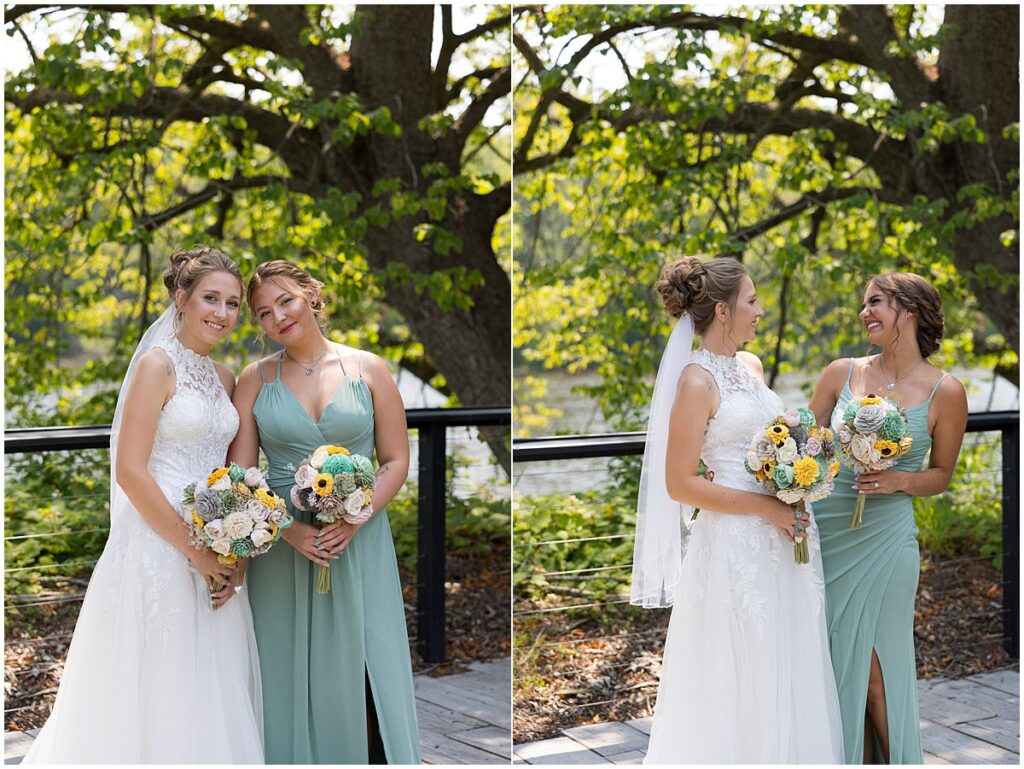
<point>574,671</point>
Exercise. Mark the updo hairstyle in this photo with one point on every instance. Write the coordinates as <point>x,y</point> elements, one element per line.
<point>189,265</point>
<point>291,278</point>
<point>915,294</point>
<point>696,285</point>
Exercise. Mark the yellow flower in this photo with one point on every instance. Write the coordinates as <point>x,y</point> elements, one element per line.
<point>760,475</point>
<point>805,471</point>
<point>324,484</point>
<point>241,489</point>
<point>870,400</point>
<point>268,497</point>
<point>332,449</point>
<point>905,443</point>
<point>826,434</point>
<point>273,531</point>
<point>777,434</point>
<point>779,420</point>
<point>833,469</point>
<point>767,466</point>
<point>228,559</point>
<point>215,476</point>
<point>887,449</point>
<point>197,520</point>
<point>368,493</point>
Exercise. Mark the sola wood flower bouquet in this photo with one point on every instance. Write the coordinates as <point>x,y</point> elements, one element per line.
<point>794,459</point>
<point>234,513</point>
<point>874,434</point>
<point>335,485</point>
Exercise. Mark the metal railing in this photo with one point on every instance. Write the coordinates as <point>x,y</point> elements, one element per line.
<point>1007,423</point>
<point>432,426</point>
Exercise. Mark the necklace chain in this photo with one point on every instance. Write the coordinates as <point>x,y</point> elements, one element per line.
<point>891,383</point>
<point>311,365</point>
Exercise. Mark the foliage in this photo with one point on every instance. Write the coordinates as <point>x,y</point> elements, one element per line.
<point>133,130</point>
<point>783,135</point>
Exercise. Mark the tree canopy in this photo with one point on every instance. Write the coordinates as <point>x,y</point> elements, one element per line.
<point>336,138</point>
<point>820,144</point>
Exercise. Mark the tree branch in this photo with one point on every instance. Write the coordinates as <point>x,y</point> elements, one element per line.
<point>474,113</point>
<point>210,191</point>
<point>321,68</point>
<point>481,74</point>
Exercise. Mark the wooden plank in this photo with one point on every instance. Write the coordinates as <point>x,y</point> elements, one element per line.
<point>929,758</point>
<point>983,730</point>
<point>443,719</point>
<point>560,750</point>
<point>979,696</point>
<point>489,711</point>
<point>440,749</point>
<point>1005,680</point>
<point>941,710</point>
<point>490,738</point>
<point>641,724</point>
<point>609,738</point>
<point>959,748</point>
<point>632,757</point>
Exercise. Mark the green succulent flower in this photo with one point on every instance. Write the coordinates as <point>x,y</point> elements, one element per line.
<point>850,413</point>
<point>783,476</point>
<point>335,464</point>
<point>345,483</point>
<point>241,548</point>
<point>894,426</point>
<point>363,469</point>
<point>236,473</point>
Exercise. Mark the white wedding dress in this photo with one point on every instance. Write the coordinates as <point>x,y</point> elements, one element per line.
<point>746,676</point>
<point>153,673</point>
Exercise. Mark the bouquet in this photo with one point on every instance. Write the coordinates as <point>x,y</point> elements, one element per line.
<point>335,485</point>
<point>234,514</point>
<point>874,434</point>
<point>794,459</point>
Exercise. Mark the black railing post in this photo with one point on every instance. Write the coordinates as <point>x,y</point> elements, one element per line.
<point>1011,541</point>
<point>430,614</point>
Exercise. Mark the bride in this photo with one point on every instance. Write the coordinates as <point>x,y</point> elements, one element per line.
<point>746,676</point>
<point>159,670</point>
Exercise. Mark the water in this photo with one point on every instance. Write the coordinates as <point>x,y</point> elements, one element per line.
<point>581,414</point>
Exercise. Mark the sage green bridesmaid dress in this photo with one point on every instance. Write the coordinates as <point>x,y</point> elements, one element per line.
<point>871,576</point>
<point>323,656</point>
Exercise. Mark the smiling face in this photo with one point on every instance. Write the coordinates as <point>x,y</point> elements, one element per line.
<point>880,316</point>
<point>210,311</point>
<point>745,313</point>
<point>283,311</point>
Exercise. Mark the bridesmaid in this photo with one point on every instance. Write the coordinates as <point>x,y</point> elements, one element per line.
<point>871,573</point>
<point>337,677</point>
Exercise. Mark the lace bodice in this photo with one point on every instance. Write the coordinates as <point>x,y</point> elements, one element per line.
<point>746,405</point>
<point>196,426</point>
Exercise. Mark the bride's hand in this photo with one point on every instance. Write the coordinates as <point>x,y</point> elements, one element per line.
<point>783,517</point>
<point>304,537</point>
<point>207,564</point>
<point>233,586</point>
<point>334,538</point>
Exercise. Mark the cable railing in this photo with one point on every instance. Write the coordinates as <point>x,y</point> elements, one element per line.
<point>433,426</point>
<point>569,607</point>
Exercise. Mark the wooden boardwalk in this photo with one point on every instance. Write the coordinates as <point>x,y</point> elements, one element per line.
<point>465,718</point>
<point>973,720</point>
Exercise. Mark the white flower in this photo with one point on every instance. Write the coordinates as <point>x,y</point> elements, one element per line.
<point>360,517</point>
<point>221,546</point>
<point>787,453</point>
<point>863,450</point>
<point>296,499</point>
<point>278,516</point>
<point>355,502</point>
<point>237,525</point>
<point>790,496</point>
<point>257,510</point>
<point>253,478</point>
<point>305,476</point>
<point>318,459</point>
<point>792,418</point>
<point>753,461</point>
<point>222,484</point>
<point>260,537</point>
<point>845,434</point>
<point>214,529</point>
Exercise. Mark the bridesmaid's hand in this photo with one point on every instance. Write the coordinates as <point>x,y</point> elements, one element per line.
<point>233,586</point>
<point>303,537</point>
<point>884,482</point>
<point>334,537</point>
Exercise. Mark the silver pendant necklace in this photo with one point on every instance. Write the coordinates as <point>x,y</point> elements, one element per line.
<point>891,385</point>
<point>307,367</point>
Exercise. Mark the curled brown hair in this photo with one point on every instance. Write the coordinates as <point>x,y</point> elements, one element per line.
<point>696,285</point>
<point>189,265</point>
<point>291,277</point>
<point>914,293</point>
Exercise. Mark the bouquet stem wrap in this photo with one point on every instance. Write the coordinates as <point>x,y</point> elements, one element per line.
<point>323,579</point>
<point>801,554</point>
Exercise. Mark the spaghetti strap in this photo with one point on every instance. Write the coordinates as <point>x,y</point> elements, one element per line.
<point>849,374</point>
<point>936,388</point>
<point>279,359</point>
<point>342,364</point>
<point>360,364</point>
